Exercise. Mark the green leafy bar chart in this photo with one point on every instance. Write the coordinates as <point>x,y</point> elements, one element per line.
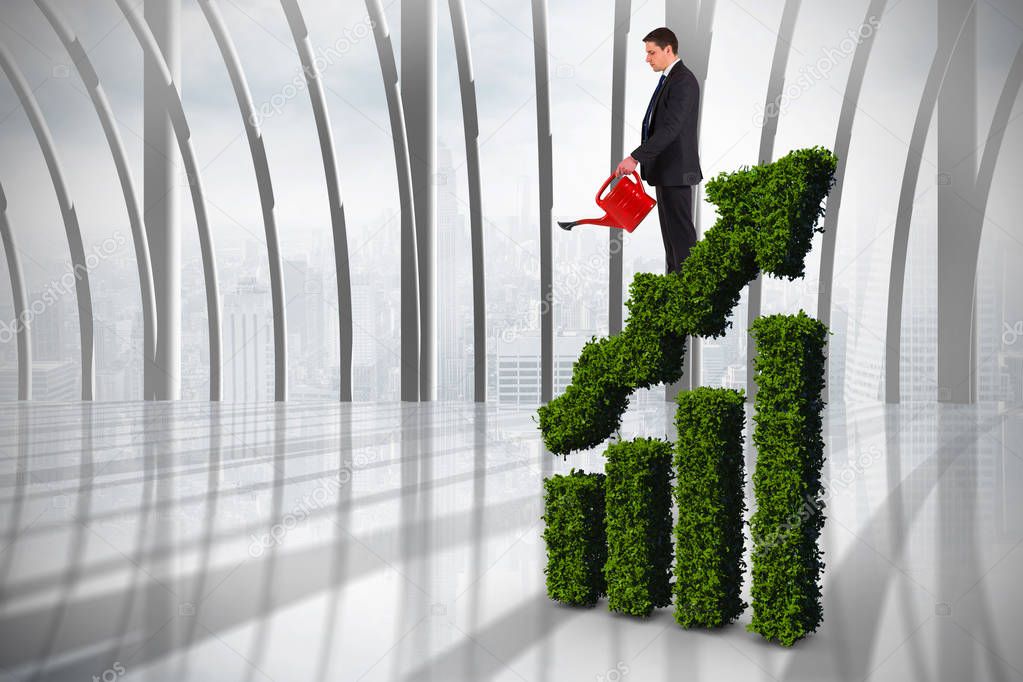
<point>766,218</point>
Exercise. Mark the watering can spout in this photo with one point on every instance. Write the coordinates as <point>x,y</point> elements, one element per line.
<point>626,205</point>
<point>606,221</point>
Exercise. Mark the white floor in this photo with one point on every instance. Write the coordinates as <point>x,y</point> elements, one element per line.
<point>198,541</point>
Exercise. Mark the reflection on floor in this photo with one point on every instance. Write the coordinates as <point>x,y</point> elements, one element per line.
<point>199,541</point>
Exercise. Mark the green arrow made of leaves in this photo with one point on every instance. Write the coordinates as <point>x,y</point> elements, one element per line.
<point>767,216</point>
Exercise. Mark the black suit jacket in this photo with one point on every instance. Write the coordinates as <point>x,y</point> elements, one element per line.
<point>670,155</point>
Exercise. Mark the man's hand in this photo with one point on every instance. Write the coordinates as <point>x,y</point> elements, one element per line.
<point>627,166</point>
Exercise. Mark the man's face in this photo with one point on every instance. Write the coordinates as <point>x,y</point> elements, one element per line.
<point>658,58</point>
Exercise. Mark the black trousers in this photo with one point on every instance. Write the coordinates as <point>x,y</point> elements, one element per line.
<point>675,211</point>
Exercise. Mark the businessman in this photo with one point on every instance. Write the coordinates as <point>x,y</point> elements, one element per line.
<point>668,156</point>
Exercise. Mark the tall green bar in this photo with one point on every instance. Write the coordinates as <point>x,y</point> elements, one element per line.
<point>709,472</point>
<point>638,497</point>
<point>786,526</point>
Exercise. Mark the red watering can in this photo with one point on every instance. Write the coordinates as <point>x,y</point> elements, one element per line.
<point>626,205</point>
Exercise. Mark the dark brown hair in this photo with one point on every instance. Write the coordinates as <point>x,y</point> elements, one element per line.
<point>662,37</point>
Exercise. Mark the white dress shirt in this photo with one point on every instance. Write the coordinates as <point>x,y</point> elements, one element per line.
<point>668,67</point>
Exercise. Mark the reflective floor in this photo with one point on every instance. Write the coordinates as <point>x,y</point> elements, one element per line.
<point>199,541</point>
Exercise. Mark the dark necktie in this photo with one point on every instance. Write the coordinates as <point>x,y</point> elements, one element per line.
<point>650,108</point>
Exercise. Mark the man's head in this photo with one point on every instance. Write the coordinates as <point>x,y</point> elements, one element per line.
<point>661,48</point>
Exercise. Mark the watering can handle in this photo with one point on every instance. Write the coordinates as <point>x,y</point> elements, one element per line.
<point>607,182</point>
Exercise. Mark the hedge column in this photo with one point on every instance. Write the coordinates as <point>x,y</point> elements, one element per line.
<point>638,490</point>
<point>709,494</point>
<point>787,479</point>
<point>574,534</point>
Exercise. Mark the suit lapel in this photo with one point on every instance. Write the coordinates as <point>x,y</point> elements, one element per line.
<point>675,71</point>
